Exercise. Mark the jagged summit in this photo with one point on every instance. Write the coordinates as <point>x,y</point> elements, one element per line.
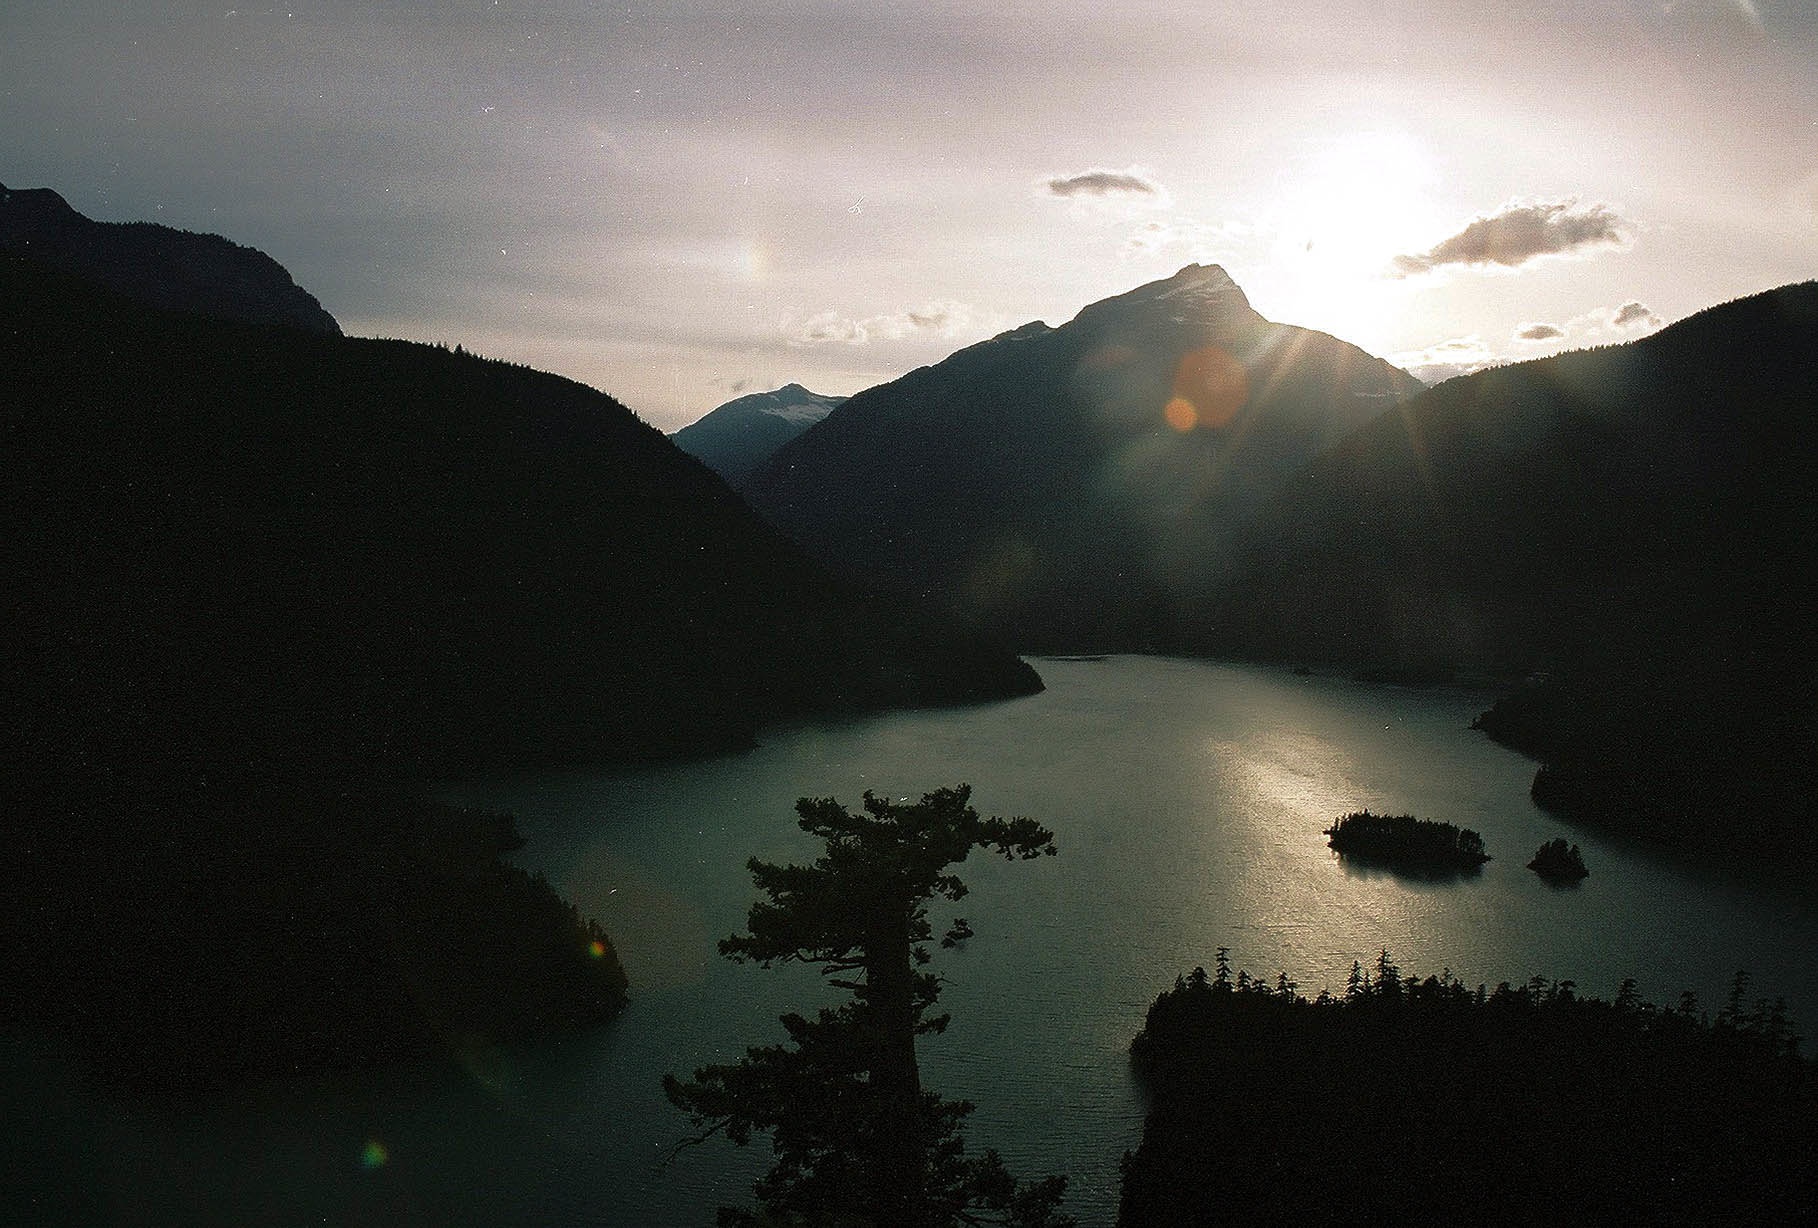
<point>1198,293</point>
<point>177,270</point>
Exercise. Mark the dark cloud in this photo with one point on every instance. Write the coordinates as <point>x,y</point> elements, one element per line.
<point>1539,332</point>
<point>1632,313</point>
<point>1101,183</point>
<point>1519,233</point>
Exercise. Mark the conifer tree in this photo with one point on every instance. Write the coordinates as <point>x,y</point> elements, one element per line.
<point>858,1140</point>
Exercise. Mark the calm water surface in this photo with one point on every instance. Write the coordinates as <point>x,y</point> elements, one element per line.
<point>1187,800</point>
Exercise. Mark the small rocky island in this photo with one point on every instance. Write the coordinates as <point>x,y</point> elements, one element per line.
<point>1558,862</point>
<point>1406,844</point>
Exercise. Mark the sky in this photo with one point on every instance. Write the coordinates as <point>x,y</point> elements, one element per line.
<point>681,202</point>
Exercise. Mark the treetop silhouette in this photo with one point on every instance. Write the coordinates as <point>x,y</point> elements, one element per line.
<point>858,1140</point>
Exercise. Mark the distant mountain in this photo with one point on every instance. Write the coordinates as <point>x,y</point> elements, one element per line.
<point>164,267</point>
<point>740,435</point>
<point>1637,521</point>
<point>1079,487</point>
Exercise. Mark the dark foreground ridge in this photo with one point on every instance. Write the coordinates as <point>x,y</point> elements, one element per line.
<point>1420,1101</point>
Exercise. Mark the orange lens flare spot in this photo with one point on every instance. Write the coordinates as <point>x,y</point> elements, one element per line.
<point>597,949</point>
<point>1212,385</point>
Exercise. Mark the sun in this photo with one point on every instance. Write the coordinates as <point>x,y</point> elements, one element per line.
<point>1345,209</point>
<point>1360,200</point>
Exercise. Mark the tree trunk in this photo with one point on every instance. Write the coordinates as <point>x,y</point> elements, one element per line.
<point>895,1078</point>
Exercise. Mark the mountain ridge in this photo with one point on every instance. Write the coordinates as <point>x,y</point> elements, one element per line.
<point>159,265</point>
<point>1073,487</point>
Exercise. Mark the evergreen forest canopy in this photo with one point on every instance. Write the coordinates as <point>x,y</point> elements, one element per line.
<point>1419,1100</point>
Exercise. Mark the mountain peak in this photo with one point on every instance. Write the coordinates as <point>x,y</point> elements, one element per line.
<point>1197,273</point>
<point>1197,293</point>
<point>735,438</point>
<point>1205,282</point>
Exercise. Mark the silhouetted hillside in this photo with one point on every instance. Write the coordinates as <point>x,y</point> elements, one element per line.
<point>1528,514</point>
<point>1079,487</point>
<point>741,435</point>
<point>1638,521</point>
<point>399,553</point>
<point>264,585</point>
<point>159,265</point>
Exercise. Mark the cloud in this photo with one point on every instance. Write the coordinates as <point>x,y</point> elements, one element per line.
<point>1520,232</point>
<point>1632,313</point>
<point>1197,237</point>
<point>945,319</point>
<point>1099,182</point>
<point>1437,363</point>
<point>1463,355</point>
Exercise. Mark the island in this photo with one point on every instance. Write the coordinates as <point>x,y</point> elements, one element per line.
<point>1406,844</point>
<point>1558,862</point>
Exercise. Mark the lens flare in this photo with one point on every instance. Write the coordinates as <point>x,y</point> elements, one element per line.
<point>374,1155</point>
<point>1210,389</point>
<point>597,949</point>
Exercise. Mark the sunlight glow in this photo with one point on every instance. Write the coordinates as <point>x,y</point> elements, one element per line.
<point>753,260</point>
<point>1358,202</point>
<point>1347,210</point>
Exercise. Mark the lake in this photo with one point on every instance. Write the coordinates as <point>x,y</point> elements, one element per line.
<point>1187,799</point>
